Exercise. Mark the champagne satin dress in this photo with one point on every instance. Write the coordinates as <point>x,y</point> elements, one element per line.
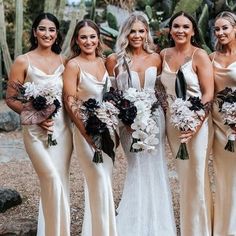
<point>99,213</point>
<point>145,208</point>
<point>195,196</point>
<point>224,161</point>
<point>51,163</point>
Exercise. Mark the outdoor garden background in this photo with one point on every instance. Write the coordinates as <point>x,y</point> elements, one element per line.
<point>16,16</point>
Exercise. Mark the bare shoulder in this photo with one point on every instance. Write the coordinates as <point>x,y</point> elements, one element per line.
<point>201,60</point>
<point>64,59</point>
<point>165,51</point>
<point>212,55</point>
<point>155,56</point>
<point>201,54</point>
<point>112,58</point>
<point>72,64</point>
<point>21,61</point>
<point>111,63</point>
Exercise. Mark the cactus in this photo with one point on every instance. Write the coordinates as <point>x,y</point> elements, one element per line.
<point>60,10</point>
<point>50,6</point>
<point>112,22</point>
<point>75,16</point>
<point>148,11</point>
<point>93,10</point>
<point>1,79</point>
<point>3,42</point>
<point>188,6</point>
<point>18,28</point>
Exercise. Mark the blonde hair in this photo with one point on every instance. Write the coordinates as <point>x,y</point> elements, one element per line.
<point>123,49</point>
<point>231,18</point>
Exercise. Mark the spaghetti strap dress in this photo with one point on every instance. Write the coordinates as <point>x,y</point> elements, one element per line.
<point>195,194</point>
<point>99,212</point>
<point>224,161</point>
<point>51,163</point>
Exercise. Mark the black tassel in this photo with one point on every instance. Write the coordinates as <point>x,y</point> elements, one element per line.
<point>180,85</point>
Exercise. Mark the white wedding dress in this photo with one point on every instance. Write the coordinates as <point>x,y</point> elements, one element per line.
<point>146,205</point>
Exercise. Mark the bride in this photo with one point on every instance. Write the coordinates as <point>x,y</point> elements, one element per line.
<point>146,205</point>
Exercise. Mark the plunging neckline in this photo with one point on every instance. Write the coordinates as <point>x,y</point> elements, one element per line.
<point>145,72</point>
<point>57,68</point>
<point>224,67</point>
<point>175,72</point>
<point>94,77</point>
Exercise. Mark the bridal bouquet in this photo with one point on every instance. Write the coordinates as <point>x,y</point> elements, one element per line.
<point>227,108</point>
<point>186,115</point>
<point>100,122</point>
<point>138,109</point>
<point>40,102</point>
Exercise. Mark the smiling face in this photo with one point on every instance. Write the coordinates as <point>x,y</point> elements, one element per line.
<point>224,31</point>
<point>137,35</point>
<point>87,40</point>
<point>181,30</point>
<point>45,33</point>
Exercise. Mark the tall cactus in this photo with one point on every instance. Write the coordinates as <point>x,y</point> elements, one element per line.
<point>93,10</point>
<point>18,28</point>
<point>75,16</point>
<point>1,78</point>
<point>188,6</point>
<point>61,8</point>
<point>3,41</point>
<point>50,6</point>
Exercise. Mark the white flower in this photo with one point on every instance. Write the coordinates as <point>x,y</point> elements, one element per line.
<point>145,127</point>
<point>31,90</point>
<point>108,113</point>
<point>182,117</point>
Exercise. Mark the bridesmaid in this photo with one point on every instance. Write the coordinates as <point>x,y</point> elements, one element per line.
<point>224,63</point>
<point>84,77</point>
<point>44,65</point>
<point>146,205</point>
<point>195,196</point>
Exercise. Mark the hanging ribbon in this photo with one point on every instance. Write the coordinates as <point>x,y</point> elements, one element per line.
<point>180,85</point>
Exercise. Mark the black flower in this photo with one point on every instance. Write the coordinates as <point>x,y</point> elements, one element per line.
<point>91,105</point>
<point>113,95</point>
<point>196,104</point>
<point>39,103</point>
<point>94,125</point>
<point>128,111</point>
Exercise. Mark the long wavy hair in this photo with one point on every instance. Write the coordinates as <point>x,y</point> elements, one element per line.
<point>231,18</point>
<point>56,47</point>
<point>123,49</point>
<point>75,50</point>
<point>195,40</point>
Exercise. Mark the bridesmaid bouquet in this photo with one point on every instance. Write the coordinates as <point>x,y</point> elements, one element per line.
<point>186,115</point>
<point>137,109</point>
<point>40,102</point>
<point>100,122</point>
<point>227,108</point>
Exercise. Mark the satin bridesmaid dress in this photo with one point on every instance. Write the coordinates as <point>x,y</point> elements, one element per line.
<point>224,161</point>
<point>51,163</point>
<point>99,213</point>
<point>195,195</point>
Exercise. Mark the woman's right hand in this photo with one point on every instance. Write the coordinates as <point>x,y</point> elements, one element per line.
<point>47,125</point>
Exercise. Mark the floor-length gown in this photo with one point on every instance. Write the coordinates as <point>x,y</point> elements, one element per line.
<point>224,161</point>
<point>51,163</point>
<point>195,196</point>
<point>99,214</point>
<point>146,204</point>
